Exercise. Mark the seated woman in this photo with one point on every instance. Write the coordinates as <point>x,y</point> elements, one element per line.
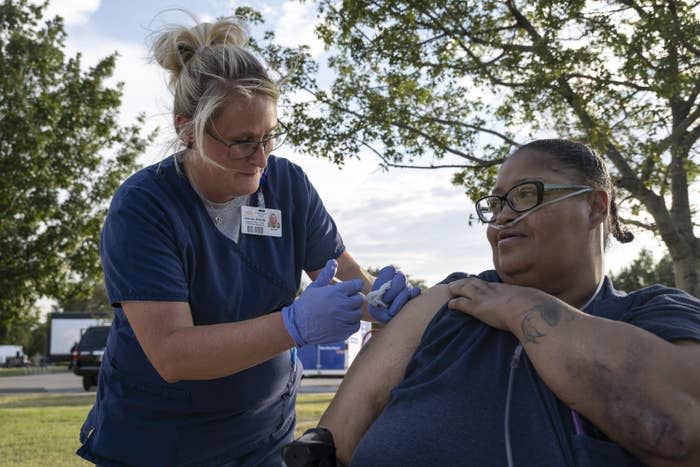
<point>540,362</point>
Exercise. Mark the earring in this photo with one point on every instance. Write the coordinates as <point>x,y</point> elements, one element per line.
<point>189,145</point>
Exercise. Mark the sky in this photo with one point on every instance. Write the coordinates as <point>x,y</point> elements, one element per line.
<point>415,219</point>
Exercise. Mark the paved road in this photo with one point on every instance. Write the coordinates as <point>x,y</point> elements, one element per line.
<point>70,383</point>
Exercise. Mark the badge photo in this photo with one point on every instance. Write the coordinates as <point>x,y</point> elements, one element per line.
<point>261,221</point>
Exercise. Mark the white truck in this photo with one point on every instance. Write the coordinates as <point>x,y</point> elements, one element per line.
<point>9,352</point>
<point>65,330</point>
<point>334,359</point>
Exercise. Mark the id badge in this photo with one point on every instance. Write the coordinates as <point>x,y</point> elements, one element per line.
<point>261,221</point>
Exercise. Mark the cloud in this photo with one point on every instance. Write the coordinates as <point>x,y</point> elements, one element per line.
<point>295,26</point>
<point>414,219</point>
<point>145,84</point>
<point>74,12</point>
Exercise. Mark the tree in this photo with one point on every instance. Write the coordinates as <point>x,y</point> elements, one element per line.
<point>462,83</point>
<point>96,300</point>
<point>37,342</point>
<point>62,155</point>
<point>643,272</point>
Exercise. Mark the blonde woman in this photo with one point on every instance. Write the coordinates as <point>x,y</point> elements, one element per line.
<point>200,366</point>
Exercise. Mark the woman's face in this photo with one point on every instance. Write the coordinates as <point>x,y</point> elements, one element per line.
<point>551,243</point>
<point>242,119</point>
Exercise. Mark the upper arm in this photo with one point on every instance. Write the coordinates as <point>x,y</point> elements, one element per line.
<point>687,356</point>
<point>403,333</point>
<point>152,323</point>
<point>377,369</point>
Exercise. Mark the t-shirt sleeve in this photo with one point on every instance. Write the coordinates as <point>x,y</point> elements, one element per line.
<point>489,276</point>
<point>672,314</point>
<point>140,255</point>
<point>453,277</point>
<point>323,241</point>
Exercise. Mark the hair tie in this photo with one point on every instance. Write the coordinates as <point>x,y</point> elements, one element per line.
<point>200,49</point>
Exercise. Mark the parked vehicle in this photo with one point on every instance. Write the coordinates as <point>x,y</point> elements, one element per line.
<point>333,359</point>
<point>87,355</point>
<point>10,355</point>
<point>65,329</point>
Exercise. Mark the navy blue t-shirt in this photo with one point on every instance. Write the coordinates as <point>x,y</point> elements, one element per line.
<point>160,244</point>
<point>449,409</point>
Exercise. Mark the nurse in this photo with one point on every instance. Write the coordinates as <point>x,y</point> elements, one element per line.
<point>539,361</point>
<point>200,367</point>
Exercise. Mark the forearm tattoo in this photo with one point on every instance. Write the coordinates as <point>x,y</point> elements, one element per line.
<point>549,311</point>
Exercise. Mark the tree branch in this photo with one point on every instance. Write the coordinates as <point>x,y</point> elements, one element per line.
<point>436,142</point>
<point>506,47</point>
<point>10,205</point>
<point>397,124</point>
<point>630,3</point>
<point>629,180</point>
<point>481,129</point>
<point>680,128</point>
<point>643,14</point>
<point>650,227</point>
<point>693,135</point>
<point>595,79</point>
<point>676,22</point>
<point>523,23</point>
<point>436,23</point>
<point>387,162</point>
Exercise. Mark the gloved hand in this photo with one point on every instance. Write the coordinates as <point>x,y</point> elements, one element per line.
<point>389,294</point>
<point>324,313</point>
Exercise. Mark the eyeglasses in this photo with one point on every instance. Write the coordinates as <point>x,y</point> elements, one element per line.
<point>244,149</point>
<point>521,198</point>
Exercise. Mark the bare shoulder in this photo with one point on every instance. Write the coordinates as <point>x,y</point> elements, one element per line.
<point>408,326</point>
<point>429,301</point>
<point>439,291</point>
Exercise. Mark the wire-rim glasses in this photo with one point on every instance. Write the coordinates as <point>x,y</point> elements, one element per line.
<point>520,198</point>
<point>244,149</point>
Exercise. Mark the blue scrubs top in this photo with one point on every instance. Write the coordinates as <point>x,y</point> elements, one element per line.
<point>449,409</point>
<point>159,243</point>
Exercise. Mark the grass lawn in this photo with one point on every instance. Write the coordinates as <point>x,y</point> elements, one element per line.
<point>31,370</point>
<point>38,429</point>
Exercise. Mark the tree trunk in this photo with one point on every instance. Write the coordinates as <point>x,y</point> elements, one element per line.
<point>687,271</point>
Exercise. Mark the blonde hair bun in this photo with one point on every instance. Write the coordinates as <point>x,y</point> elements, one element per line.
<point>176,45</point>
<point>208,63</point>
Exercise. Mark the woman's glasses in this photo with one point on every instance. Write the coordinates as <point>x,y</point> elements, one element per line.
<point>244,149</point>
<point>521,198</point>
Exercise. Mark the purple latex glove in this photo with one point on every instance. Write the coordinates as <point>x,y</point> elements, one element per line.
<point>390,292</point>
<point>325,313</point>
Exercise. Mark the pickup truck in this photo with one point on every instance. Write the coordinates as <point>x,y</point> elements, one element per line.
<point>87,356</point>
